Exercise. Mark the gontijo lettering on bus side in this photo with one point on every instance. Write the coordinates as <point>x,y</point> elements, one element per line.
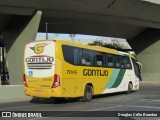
<point>94,72</point>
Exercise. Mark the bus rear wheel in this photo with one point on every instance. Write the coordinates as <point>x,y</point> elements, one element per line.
<point>87,94</point>
<point>130,88</point>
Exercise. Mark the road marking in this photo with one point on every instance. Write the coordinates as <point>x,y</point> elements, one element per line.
<point>19,107</point>
<point>144,106</point>
<point>105,108</point>
<point>149,100</point>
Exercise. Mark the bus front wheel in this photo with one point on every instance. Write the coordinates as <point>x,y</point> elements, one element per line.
<point>87,94</point>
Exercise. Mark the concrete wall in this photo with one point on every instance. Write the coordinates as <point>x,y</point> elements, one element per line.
<point>20,31</point>
<point>147,47</point>
<point>150,59</point>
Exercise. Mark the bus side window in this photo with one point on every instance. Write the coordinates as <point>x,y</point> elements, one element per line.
<point>68,54</point>
<point>76,52</point>
<point>118,62</point>
<point>127,63</point>
<point>87,58</point>
<point>124,62</point>
<point>99,59</point>
<point>110,61</point>
<point>83,61</point>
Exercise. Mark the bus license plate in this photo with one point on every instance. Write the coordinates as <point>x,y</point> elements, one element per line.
<point>38,91</point>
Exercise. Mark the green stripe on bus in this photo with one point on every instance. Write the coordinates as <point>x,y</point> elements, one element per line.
<point>112,78</point>
<point>119,78</point>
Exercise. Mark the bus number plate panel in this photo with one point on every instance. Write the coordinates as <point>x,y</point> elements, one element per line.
<point>38,91</point>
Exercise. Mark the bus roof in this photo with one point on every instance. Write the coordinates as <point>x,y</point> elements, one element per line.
<point>96,48</point>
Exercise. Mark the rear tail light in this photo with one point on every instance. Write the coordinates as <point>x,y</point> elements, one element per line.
<point>56,82</point>
<point>24,79</point>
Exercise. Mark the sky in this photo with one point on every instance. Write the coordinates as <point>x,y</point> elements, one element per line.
<point>79,36</point>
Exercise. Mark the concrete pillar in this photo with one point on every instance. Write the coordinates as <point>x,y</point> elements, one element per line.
<point>21,30</point>
<point>147,47</point>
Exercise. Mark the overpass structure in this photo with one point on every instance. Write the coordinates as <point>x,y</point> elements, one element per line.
<point>136,20</point>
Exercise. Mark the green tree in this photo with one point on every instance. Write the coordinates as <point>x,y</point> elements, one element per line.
<point>114,45</point>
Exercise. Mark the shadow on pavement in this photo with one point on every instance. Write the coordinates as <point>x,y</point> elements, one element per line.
<point>52,100</point>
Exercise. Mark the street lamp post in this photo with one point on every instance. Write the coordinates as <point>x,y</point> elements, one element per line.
<point>3,66</point>
<point>46,31</point>
<point>72,36</point>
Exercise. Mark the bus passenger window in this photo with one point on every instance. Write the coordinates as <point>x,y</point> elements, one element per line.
<point>76,56</point>
<point>99,59</point>
<point>111,61</point>
<point>83,61</point>
<point>68,54</point>
<point>126,62</point>
<point>87,58</point>
<point>118,62</point>
<point>128,66</point>
<point>99,63</point>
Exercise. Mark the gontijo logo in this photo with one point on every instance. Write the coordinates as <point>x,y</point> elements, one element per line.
<point>39,62</point>
<point>38,48</point>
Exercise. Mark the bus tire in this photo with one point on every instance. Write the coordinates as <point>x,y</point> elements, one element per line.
<point>87,94</point>
<point>130,88</point>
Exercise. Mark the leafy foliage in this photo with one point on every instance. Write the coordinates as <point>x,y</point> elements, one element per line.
<point>114,45</point>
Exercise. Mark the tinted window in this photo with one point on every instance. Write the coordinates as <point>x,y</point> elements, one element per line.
<point>87,57</point>
<point>76,52</point>
<point>118,61</point>
<point>79,56</point>
<point>68,54</point>
<point>123,62</point>
<point>126,63</point>
<point>99,59</point>
<point>110,60</point>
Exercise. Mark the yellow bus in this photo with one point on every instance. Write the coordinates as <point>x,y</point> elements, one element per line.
<point>60,69</point>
